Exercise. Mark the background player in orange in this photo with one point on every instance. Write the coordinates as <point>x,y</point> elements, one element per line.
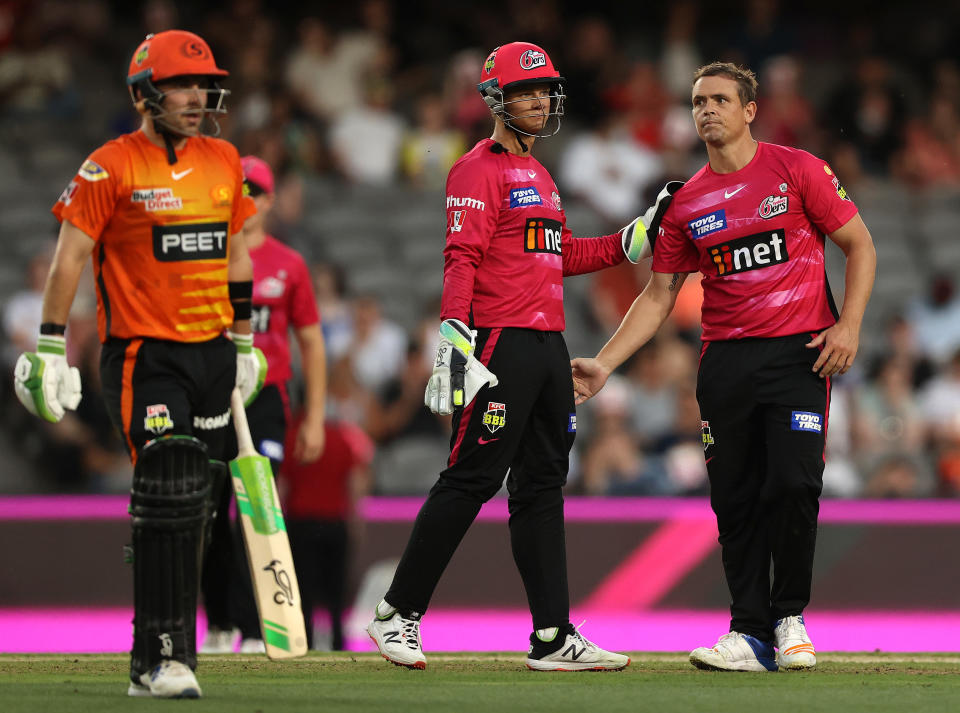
<point>754,222</point>
<point>161,212</point>
<point>283,299</point>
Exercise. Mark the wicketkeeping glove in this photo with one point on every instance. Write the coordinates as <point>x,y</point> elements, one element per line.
<point>44,382</point>
<point>635,237</point>
<point>251,367</point>
<point>457,374</point>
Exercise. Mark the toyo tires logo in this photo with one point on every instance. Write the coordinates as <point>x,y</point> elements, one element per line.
<point>533,58</point>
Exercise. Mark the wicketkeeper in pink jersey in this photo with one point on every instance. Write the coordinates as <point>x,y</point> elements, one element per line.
<point>753,221</point>
<point>503,370</point>
<point>283,301</point>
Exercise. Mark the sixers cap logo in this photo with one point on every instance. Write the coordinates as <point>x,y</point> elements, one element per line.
<point>531,59</point>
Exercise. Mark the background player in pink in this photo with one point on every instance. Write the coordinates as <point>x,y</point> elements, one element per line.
<point>283,299</point>
<point>753,221</point>
<point>503,370</point>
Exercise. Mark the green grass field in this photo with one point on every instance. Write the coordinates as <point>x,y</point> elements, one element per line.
<point>665,683</point>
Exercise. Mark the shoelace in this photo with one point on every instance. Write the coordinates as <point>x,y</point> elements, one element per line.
<point>583,639</point>
<point>411,633</point>
<point>794,630</point>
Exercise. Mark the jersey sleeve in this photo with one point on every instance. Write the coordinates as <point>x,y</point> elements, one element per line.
<point>243,205</point>
<point>583,255</point>
<point>672,250</point>
<point>473,207</point>
<point>303,303</point>
<point>91,197</point>
<point>825,201</point>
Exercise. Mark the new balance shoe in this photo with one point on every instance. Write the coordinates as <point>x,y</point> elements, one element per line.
<point>794,649</point>
<point>397,637</point>
<point>566,649</point>
<point>168,679</point>
<point>735,652</point>
<point>219,641</point>
<point>252,646</point>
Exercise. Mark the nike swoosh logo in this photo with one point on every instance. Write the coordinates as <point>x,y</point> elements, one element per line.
<point>532,174</point>
<point>730,194</point>
<point>177,176</point>
<point>483,441</point>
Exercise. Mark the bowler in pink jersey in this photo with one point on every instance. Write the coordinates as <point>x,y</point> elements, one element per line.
<point>753,221</point>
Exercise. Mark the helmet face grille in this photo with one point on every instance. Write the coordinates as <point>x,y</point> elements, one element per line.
<point>494,98</point>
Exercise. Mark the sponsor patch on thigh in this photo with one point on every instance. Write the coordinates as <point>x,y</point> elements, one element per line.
<point>806,421</point>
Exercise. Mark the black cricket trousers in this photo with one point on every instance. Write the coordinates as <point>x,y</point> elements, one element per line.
<point>525,426</point>
<point>764,421</point>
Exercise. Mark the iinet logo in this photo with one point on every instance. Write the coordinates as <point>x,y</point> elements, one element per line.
<point>750,252</point>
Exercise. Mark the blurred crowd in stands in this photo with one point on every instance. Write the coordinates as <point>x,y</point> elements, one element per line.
<point>380,95</point>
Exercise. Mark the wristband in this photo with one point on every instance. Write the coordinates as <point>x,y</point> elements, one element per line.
<point>242,310</point>
<point>53,328</point>
<point>240,290</point>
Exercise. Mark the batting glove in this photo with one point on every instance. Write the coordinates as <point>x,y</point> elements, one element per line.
<point>457,374</point>
<point>636,244</point>
<point>44,382</point>
<point>251,367</point>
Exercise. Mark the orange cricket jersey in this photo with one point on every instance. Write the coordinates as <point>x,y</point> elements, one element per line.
<point>162,233</point>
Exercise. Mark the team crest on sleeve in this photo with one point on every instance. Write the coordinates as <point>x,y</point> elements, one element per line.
<point>68,193</point>
<point>92,171</point>
<point>556,201</point>
<point>158,419</point>
<point>455,220</point>
<point>495,417</point>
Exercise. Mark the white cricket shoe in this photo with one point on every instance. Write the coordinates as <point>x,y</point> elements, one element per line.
<point>168,679</point>
<point>397,638</point>
<point>794,649</point>
<point>735,652</point>
<point>220,641</point>
<point>574,653</point>
<point>253,646</point>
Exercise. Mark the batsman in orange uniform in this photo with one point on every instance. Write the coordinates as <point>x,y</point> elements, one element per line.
<point>161,213</point>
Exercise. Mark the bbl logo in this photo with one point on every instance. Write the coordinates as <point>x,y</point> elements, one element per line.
<point>750,252</point>
<point>707,436</point>
<point>542,235</point>
<point>495,417</point>
<point>158,419</point>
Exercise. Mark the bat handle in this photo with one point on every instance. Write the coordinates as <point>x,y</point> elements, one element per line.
<point>244,441</point>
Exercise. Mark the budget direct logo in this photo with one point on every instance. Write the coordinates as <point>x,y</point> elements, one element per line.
<point>523,197</point>
<point>542,235</point>
<point>806,421</point>
<point>751,252</point>
<point>706,224</point>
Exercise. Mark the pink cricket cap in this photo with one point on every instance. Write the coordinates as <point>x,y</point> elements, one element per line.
<point>258,171</point>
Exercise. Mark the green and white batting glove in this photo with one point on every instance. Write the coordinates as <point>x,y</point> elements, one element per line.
<point>639,236</point>
<point>44,382</point>
<point>457,374</point>
<point>251,367</point>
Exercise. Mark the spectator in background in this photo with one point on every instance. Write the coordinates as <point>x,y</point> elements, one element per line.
<point>593,64</point>
<point>429,150</point>
<point>325,73</point>
<point>330,287</point>
<point>365,140</point>
<point>643,101</point>
<point>468,114</point>
<point>609,169</point>
<point>931,152</point>
<point>787,117</point>
<point>22,312</point>
<point>900,343</point>
<point>379,347</point>
<point>36,76</point>
<point>321,510</point>
<point>940,407</point>
<point>936,318</point>
<point>652,399</point>
<point>868,110</point>
<point>887,419</point>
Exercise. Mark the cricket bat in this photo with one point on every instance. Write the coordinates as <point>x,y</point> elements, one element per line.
<point>268,549</point>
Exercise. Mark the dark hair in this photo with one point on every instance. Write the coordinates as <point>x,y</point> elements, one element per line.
<point>746,80</point>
